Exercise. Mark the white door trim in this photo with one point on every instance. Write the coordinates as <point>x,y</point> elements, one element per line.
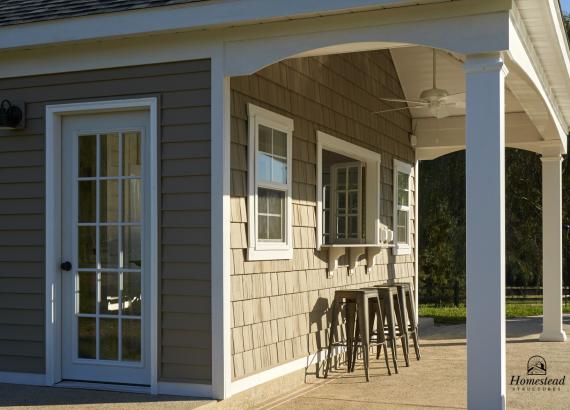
<point>54,114</point>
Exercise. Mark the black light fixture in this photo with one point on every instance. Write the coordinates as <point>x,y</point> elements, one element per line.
<point>11,115</point>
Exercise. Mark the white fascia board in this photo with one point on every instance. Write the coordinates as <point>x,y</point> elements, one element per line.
<point>190,16</point>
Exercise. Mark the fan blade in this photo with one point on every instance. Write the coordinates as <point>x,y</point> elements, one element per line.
<point>397,109</point>
<point>404,101</point>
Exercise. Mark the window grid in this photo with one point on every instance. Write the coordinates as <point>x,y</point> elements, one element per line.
<point>98,270</point>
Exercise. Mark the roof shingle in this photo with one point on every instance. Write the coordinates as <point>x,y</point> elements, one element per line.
<point>28,11</point>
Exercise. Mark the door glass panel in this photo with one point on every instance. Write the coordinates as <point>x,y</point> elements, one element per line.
<point>87,155</point>
<point>87,342</point>
<point>131,343</point>
<point>87,246</point>
<point>108,339</point>
<point>131,295</point>
<point>109,301</point>
<point>131,200</point>
<point>109,154</point>
<point>132,154</point>
<point>87,292</point>
<point>109,204</point>
<point>109,247</point>
<point>109,225</point>
<point>88,201</point>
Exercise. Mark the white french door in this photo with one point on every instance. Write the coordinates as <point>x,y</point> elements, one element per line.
<point>105,242</point>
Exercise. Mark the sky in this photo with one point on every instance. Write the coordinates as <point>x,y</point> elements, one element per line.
<point>565,5</point>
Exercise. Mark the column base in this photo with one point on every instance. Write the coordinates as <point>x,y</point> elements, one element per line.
<point>553,336</point>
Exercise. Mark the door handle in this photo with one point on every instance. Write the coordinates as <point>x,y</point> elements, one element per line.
<point>66,266</point>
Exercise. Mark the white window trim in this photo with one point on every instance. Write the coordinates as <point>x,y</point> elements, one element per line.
<point>401,248</point>
<point>372,160</point>
<point>54,115</point>
<point>260,250</point>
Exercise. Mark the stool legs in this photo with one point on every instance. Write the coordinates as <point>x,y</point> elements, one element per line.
<point>402,323</point>
<point>332,332</point>
<point>413,323</point>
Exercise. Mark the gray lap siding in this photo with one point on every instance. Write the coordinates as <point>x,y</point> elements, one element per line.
<point>183,90</point>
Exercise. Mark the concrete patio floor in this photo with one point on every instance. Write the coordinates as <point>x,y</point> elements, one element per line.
<point>436,381</point>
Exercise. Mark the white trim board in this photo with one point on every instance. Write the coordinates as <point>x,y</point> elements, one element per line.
<point>304,362</point>
<point>32,379</point>
<point>54,114</point>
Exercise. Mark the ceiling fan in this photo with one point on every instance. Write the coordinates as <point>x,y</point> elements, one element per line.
<point>436,100</point>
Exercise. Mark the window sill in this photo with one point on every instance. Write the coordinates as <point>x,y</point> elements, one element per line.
<point>354,252</point>
<point>401,250</point>
<point>269,254</point>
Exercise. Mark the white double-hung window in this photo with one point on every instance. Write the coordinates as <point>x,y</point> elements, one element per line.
<point>269,199</point>
<point>402,172</point>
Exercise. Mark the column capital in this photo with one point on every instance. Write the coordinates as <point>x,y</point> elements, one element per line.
<point>482,63</point>
<point>551,158</point>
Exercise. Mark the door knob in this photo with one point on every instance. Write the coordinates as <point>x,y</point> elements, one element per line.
<point>66,266</point>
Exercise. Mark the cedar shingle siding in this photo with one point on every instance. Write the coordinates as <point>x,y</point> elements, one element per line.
<point>279,307</point>
<point>183,90</point>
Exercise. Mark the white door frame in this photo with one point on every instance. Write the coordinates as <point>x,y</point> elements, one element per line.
<point>54,114</point>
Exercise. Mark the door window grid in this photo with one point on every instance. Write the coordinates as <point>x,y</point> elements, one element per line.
<point>110,329</point>
<point>402,207</point>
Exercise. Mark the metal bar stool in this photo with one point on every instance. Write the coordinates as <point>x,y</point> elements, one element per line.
<point>359,333</point>
<point>406,294</point>
<point>392,306</point>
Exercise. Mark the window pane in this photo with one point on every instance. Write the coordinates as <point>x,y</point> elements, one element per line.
<point>265,139</point>
<point>262,195</point>
<point>262,227</point>
<point>403,197</point>
<point>402,227</point>
<point>131,294</point>
<point>341,202</point>
<point>87,155</point>
<point>109,247</point>
<point>274,226</point>
<point>132,154</point>
<point>109,154</point>
<point>402,218</point>
<point>132,247</point>
<point>275,202</point>
<point>403,180</point>
<point>353,227</point>
<point>108,339</point>
<point>264,163</point>
<point>402,235</point>
<point>341,178</point>
<point>353,202</point>
<point>341,227</point>
<point>279,171</point>
<point>353,178</point>
<point>131,340</point>
<point>86,338</point>
<point>279,143</point>
<point>109,196</point>
<point>87,292</point>
<point>109,300</point>
<point>87,201</point>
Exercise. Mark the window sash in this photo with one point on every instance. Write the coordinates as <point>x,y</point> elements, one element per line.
<point>402,207</point>
<point>342,219</point>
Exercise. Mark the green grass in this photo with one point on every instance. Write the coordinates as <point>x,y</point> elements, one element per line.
<point>456,314</point>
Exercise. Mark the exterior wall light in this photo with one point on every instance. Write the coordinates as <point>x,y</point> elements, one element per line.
<point>11,116</point>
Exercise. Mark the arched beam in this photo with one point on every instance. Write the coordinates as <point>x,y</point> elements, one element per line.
<point>258,46</point>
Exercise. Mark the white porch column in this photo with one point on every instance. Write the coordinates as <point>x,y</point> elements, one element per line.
<point>552,249</point>
<point>485,190</point>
